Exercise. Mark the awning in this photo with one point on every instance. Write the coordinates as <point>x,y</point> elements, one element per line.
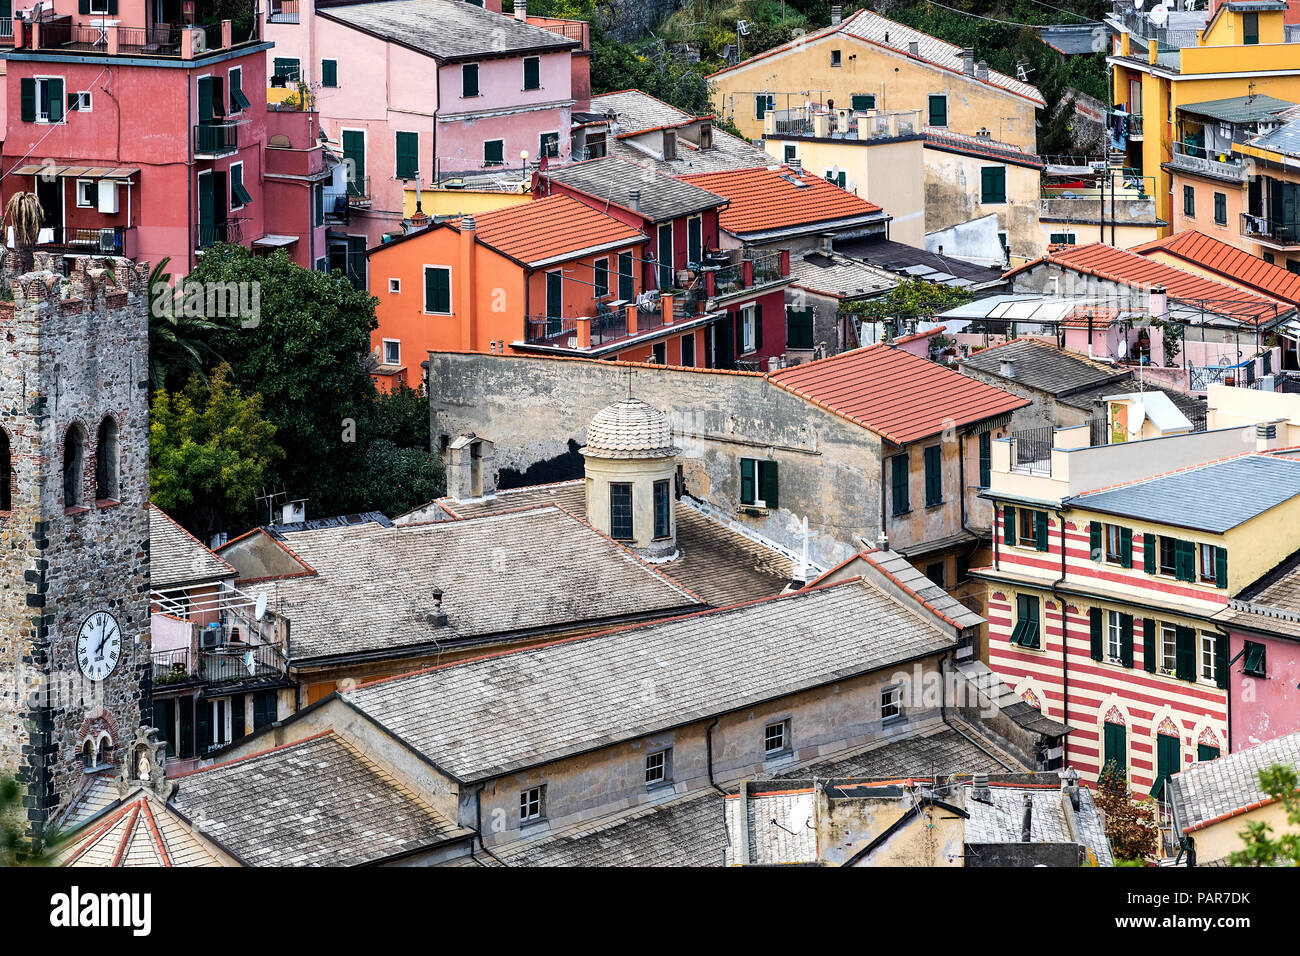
<point>274,242</point>
<point>79,172</point>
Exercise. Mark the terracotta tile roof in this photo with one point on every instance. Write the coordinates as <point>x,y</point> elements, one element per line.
<point>1138,271</point>
<point>1100,316</point>
<point>1229,262</point>
<point>549,228</point>
<point>896,394</point>
<point>765,199</point>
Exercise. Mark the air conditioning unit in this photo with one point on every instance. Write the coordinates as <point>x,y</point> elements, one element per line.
<point>108,241</point>
<point>210,639</point>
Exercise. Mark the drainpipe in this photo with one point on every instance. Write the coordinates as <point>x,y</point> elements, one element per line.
<point>708,743</point>
<point>1065,647</point>
<point>1227,691</point>
<point>478,827</point>
<point>884,534</point>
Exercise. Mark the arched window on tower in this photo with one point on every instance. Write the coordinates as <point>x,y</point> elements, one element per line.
<point>6,472</point>
<point>74,461</point>
<point>88,755</point>
<point>106,460</point>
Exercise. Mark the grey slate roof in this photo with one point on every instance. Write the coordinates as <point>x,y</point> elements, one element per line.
<point>841,276</point>
<point>1208,790</point>
<point>630,428</point>
<point>317,802</point>
<point>591,692</point>
<point>1239,109</point>
<point>898,566</point>
<point>373,586</point>
<point>1225,494</point>
<point>908,260</point>
<point>716,562</point>
<point>1038,365</point>
<point>614,179</point>
<point>999,819</point>
<point>1271,604</point>
<point>177,557</point>
<point>447,30</point>
<point>1285,139</point>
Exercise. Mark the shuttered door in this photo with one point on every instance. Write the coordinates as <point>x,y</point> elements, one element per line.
<point>666,256</point>
<point>695,240</point>
<point>798,328</point>
<point>207,212</point>
<point>1168,756</point>
<point>408,155</point>
<point>1009,525</point>
<point>554,303</point>
<point>1097,648</point>
<point>747,481</point>
<point>205,99</point>
<point>1126,639</point>
<point>768,483</point>
<point>1150,645</point>
<point>354,156</point>
<point>28,88</point>
<point>625,284</point>
<point>1185,653</point>
<point>1115,747</point>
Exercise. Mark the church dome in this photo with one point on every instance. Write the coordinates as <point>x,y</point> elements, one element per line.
<point>630,428</point>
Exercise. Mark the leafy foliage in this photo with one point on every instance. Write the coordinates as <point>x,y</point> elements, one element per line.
<point>211,452</point>
<point>178,341</point>
<point>911,299</point>
<point>399,478</point>
<point>1259,846</point>
<point>1131,824</point>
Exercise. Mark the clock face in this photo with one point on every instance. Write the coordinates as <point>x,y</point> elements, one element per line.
<point>99,645</point>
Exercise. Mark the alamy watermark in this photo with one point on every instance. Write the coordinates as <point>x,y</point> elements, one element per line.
<point>193,299</point>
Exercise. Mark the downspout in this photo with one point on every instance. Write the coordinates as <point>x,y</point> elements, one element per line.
<point>478,827</point>
<point>884,534</point>
<point>1065,648</point>
<point>1227,683</point>
<point>708,743</point>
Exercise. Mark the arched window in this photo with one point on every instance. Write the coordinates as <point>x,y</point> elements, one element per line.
<point>106,460</point>
<point>88,755</point>
<point>6,473</point>
<point>74,459</point>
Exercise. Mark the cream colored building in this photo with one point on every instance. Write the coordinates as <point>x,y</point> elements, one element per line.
<point>868,62</point>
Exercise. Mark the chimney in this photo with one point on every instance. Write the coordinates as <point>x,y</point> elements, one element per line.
<point>982,70</point>
<point>826,243</point>
<point>1270,435</point>
<point>469,466</point>
<point>468,258</point>
<point>294,512</point>
<point>796,166</point>
<point>636,199</point>
<point>1027,819</point>
<point>1158,304</point>
<point>980,787</point>
<point>521,10</point>
<point>1070,786</point>
<point>439,617</point>
<point>913,47</point>
<point>1007,368</point>
<point>968,61</point>
<point>837,15</point>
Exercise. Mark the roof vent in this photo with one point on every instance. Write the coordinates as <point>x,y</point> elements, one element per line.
<point>968,61</point>
<point>1007,368</point>
<point>1266,430</point>
<point>439,617</point>
<point>913,47</point>
<point>796,166</point>
<point>1070,786</point>
<point>1026,820</point>
<point>982,70</point>
<point>980,787</point>
<point>636,199</point>
<point>837,15</point>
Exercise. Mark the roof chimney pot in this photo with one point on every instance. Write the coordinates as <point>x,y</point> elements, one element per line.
<point>521,10</point>
<point>837,15</point>
<point>968,61</point>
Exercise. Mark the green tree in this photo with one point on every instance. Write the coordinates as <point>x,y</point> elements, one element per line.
<point>1130,824</point>
<point>395,480</point>
<point>401,417</point>
<point>15,848</point>
<point>1259,846</point>
<point>910,300</point>
<point>211,452</point>
<point>178,341</point>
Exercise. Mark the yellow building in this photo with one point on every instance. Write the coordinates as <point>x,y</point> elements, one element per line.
<point>1242,50</point>
<point>867,62</point>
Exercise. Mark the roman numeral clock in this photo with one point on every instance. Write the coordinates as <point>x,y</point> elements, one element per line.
<point>99,646</point>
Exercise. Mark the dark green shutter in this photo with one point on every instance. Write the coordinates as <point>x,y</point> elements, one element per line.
<point>1150,645</point>
<point>1115,749</point>
<point>54,102</point>
<point>600,273</point>
<point>205,99</point>
<point>185,746</point>
<point>1149,553</point>
<point>1168,757</point>
<point>1126,639</point>
<point>1040,530</point>
<point>1220,567</point>
<point>695,240</point>
<point>494,152</point>
<point>986,459</point>
<point>1008,525</point>
<point>1098,649</point>
<point>203,725</point>
<point>1184,560</point>
<point>1094,540</point>
<point>28,87</point>
<point>993,184</point>
<point>758,325</point>
<point>408,155</point>
<point>112,8</point>
<point>898,481</point>
<point>1256,655</point>
<point>83,7</point>
<point>747,481</point>
<point>318,192</point>
<point>1221,661</point>
<point>532,73</point>
<point>329,72</point>
<point>1206,752</point>
<point>767,472</point>
<point>437,290</point>
<point>238,101</point>
<point>469,80</point>
<point>626,286</point>
<point>1185,653</point>
<point>938,111</point>
<point>354,155</point>
<point>236,716</point>
<point>933,475</point>
<point>1126,547</point>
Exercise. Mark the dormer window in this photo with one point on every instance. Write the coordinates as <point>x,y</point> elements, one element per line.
<point>706,136</point>
<point>670,144</point>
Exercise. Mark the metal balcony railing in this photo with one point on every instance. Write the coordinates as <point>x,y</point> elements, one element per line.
<point>359,190</point>
<point>6,30</point>
<point>106,241</point>
<point>1278,232</point>
<point>208,234</point>
<point>215,139</point>
<point>1034,450</point>
<point>1197,159</point>
<point>283,11</point>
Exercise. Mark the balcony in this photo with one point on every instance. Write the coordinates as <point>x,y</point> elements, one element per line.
<point>337,207</point>
<point>6,31</point>
<point>209,234</point>
<point>214,140</point>
<point>215,638</point>
<point>58,34</point>
<point>283,11</point>
<point>578,30</point>
<point>1276,234</point>
<point>1196,159</point>
<point>724,278</point>
<point>612,323</point>
<point>107,241</point>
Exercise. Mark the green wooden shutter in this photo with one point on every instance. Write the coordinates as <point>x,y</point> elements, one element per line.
<point>1040,530</point>
<point>532,73</point>
<point>237,716</point>
<point>318,194</point>
<point>1206,752</point>
<point>54,101</point>
<point>799,328</point>
<point>600,275</point>
<point>203,725</point>
<point>747,481</point>
<point>1115,748</point>
<point>437,290</point>
<point>626,286</point>
<point>1220,567</point>
<point>1150,645</point>
<point>469,80</point>
<point>1094,540</point>
<point>408,155</point>
<point>993,184</point>
<point>933,475</point>
<point>1221,661</point>
<point>329,72</point>
<point>1256,656</point>
<point>1098,649</point>
<point>1126,639</point>
<point>758,325</point>
<point>1126,547</point>
<point>1149,553</point>
<point>83,7</point>
<point>239,195</point>
<point>28,87</point>
<point>986,459</point>
<point>768,483</point>
<point>238,101</point>
<point>695,240</point>
<point>760,106</point>
<point>938,110</point>
<point>112,8</point>
<point>354,154</point>
<point>1185,560</point>
<point>494,152</point>
<point>1185,653</point>
<point>207,211</point>
<point>1008,525</point>
<point>1168,757</point>
<point>898,482</point>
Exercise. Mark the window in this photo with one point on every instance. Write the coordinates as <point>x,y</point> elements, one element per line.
<point>287,67</point>
<point>758,482</point>
<point>1220,209</point>
<point>265,710</point>
<point>601,277</point>
<point>392,352</point>
<point>626,284</point>
<point>891,703</point>
<point>494,152</point>
<point>664,253</point>
<point>1115,746</point>
<point>395,286</point>
<point>1211,667</point>
<point>531,806</point>
<point>1168,649</point>
<point>938,113</point>
<point>861,102</point>
<point>42,99</point>
<point>762,103</point>
<point>74,458</point>
<point>658,768</point>
<point>469,80</point>
<point>694,241</point>
<point>1214,565</point>
<point>1249,28</point>
<point>791,152</point>
<point>87,193</point>
<point>663,502</point>
<point>1168,555</point>
<point>745,326</point>
<point>549,145</point>
<point>1168,759</point>
<point>318,203</point>
<point>99,6</point>
<point>993,184</point>
<point>620,511</point>
<point>437,290</point>
<point>1206,752</point>
<point>799,331</point>
<point>935,572</point>
<point>898,468</point>
<point>1114,643</point>
<point>1189,201</point>
<point>835,58</point>
<point>408,155</point>
<point>81,102</point>
<point>688,350</point>
<point>329,73</point>
<point>776,738</point>
<point>1119,545</point>
<point>1032,528</point>
<point>1254,653</point>
<point>532,73</point>
<point>1026,631</point>
<point>1063,239</point>
<point>986,459</point>
<point>106,460</point>
<point>933,475</point>
<point>239,197</point>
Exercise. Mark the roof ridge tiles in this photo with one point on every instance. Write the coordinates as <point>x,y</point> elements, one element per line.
<point>252,756</point>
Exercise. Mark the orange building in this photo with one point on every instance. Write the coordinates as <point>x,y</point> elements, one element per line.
<point>549,276</point>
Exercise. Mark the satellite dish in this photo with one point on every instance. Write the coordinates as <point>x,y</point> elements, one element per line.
<point>1159,15</point>
<point>1137,4</point>
<point>835,171</point>
<point>1137,414</point>
<point>259,610</point>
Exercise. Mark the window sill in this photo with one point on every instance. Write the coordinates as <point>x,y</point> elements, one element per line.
<point>896,719</point>
<point>660,785</point>
<point>743,508</point>
<point>900,514</point>
<point>102,504</point>
<point>930,505</point>
<point>75,510</point>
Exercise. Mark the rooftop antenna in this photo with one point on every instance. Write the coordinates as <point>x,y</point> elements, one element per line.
<point>630,373</point>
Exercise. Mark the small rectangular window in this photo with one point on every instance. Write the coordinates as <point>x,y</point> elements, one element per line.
<point>620,511</point>
<point>993,184</point>
<point>764,102</point>
<point>469,80</point>
<point>791,152</point>
<point>532,73</point>
<point>494,152</point>
<point>658,768</point>
<point>408,154</point>
<point>532,804</point>
<point>861,102</point>
<point>898,468</point>
<point>663,509</point>
<point>549,145</point>
<point>329,72</point>
<point>1254,659</point>
<point>601,277</point>
<point>1189,201</point>
<point>1028,621</point>
<point>933,476</point>
<point>1168,555</point>
<point>1114,639</point>
<point>1168,649</point>
<point>1220,209</point>
<point>437,290</point>
<point>836,59</point>
<point>1209,555</point>
<point>1210,657</point>
<point>392,352</point>
<point>935,572</point>
<point>938,113</point>
<point>891,703</point>
<point>759,484</point>
<point>776,738</point>
<point>87,193</point>
<point>394,286</point>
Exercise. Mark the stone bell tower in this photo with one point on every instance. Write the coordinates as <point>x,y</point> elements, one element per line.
<point>74,529</point>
